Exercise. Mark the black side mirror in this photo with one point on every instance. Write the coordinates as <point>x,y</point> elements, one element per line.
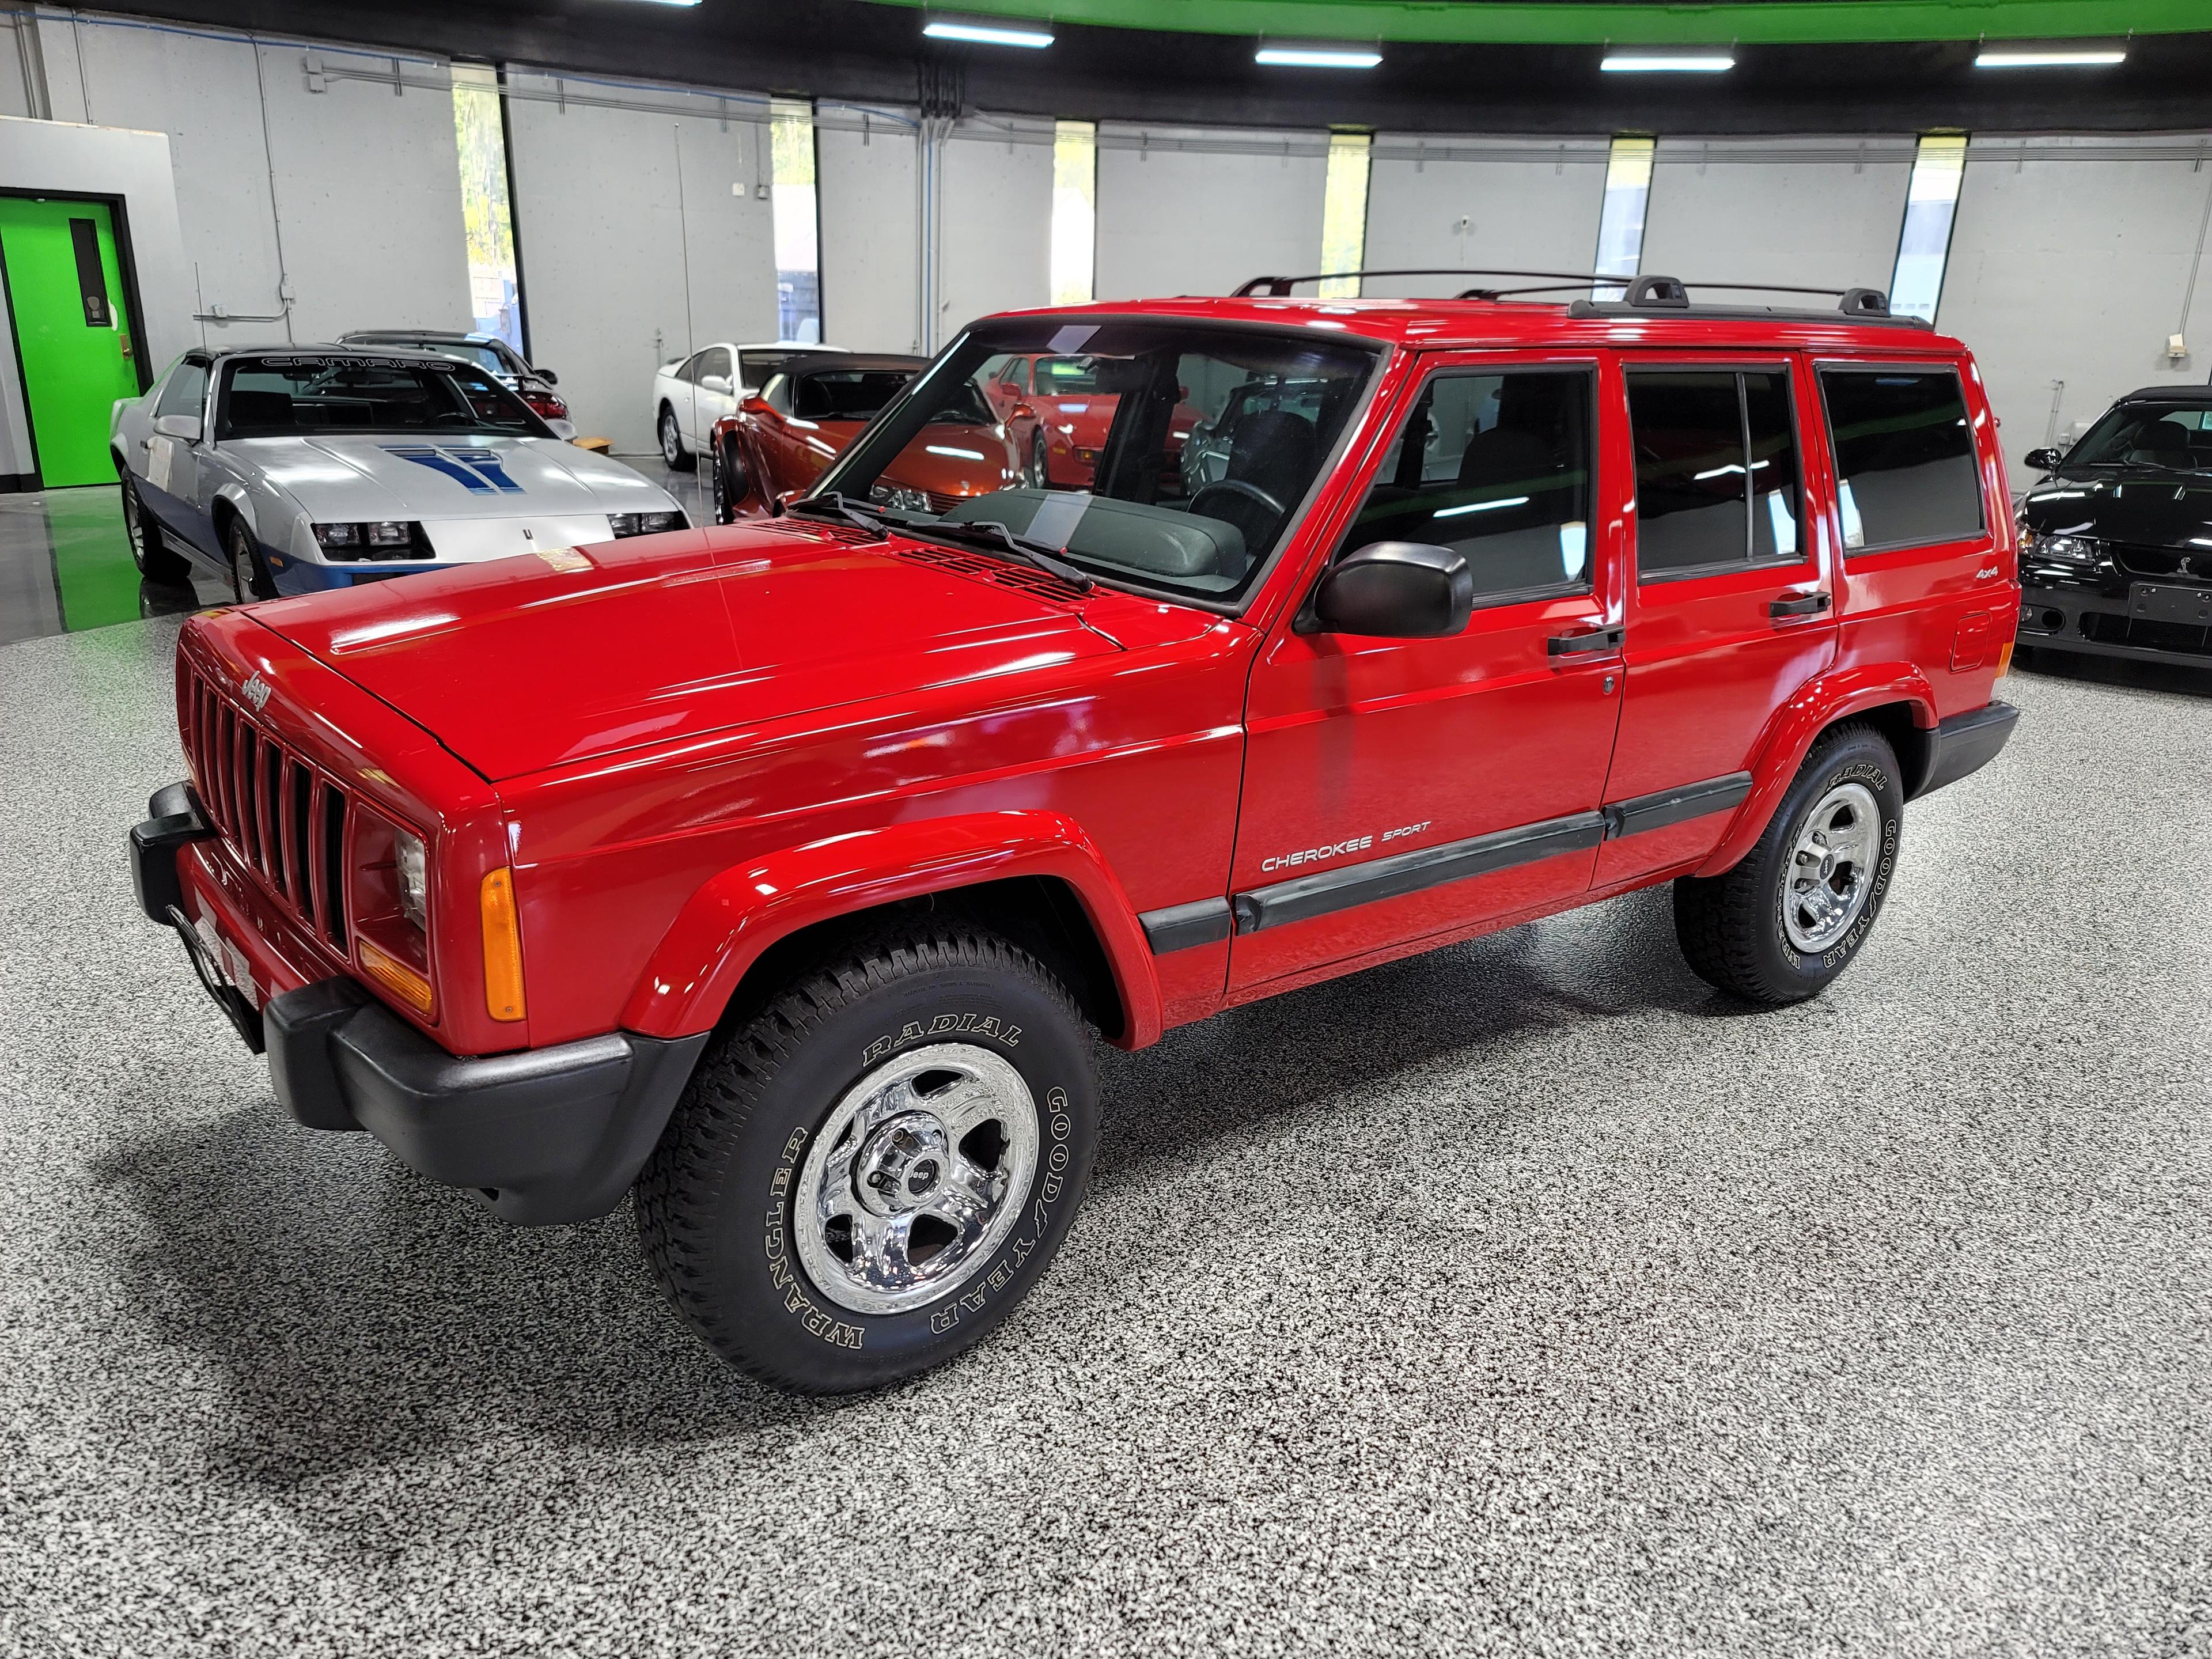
<point>1395,591</point>
<point>2042,460</point>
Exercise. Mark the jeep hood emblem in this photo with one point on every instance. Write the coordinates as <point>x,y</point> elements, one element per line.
<point>256,692</point>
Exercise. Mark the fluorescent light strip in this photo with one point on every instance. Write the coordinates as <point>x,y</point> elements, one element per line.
<point>985,34</point>
<point>1629,62</point>
<point>1318,57</point>
<point>2049,59</point>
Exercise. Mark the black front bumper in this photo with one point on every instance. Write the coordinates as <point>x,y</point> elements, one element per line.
<point>2083,617</point>
<point>543,1136</point>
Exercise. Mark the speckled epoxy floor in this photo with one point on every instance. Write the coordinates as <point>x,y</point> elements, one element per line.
<point>1526,1298</point>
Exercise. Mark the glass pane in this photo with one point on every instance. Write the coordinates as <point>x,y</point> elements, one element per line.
<point>1690,493</point>
<point>1496,467</point>
<point>1344,212</point>
<point>797,231</point>
<point>293,395</point>
<point>1774,502</point>
<point>1621,225</point>
<point>1924,245</point>
<point>480,135</point>
<point>1074,211</point>
<point>1905,455</point>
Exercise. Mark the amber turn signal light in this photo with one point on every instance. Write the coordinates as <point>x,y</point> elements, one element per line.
<point>397,977</point>
<point>2004,659</point>
<point>502,946</point>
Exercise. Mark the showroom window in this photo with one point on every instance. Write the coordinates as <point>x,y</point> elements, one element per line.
<point>1344,212</point>
<point>1904,457</point>
<point>480,135</point>
<point>797,231</point>
<point>1924,245</point>
<point>1621,224</point>
<point>1074,211</point>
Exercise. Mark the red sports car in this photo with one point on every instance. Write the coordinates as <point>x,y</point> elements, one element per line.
<point>1058,401</point>
<point>781,438</point>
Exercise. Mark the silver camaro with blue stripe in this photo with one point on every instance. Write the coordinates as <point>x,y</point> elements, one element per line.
<point>290,470</point>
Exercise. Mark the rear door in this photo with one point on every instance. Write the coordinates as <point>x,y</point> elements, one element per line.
<point>1730,609</point>
<point>1397,790</point>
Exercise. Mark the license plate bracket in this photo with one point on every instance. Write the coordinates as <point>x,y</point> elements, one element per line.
<point>243,1017</point>
<point>2158,602</point>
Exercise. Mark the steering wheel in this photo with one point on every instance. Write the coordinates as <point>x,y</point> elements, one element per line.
<point>1234,487</point>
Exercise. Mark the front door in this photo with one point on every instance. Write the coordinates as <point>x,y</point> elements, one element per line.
<point>1398,790</point>
<point>1729,612</point>
<point>74,337</point>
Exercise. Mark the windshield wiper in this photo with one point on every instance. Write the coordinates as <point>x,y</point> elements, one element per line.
<point>830,504</point>
<point>993,534</point>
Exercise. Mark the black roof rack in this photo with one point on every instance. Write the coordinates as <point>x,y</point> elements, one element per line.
<point>1641,297</point>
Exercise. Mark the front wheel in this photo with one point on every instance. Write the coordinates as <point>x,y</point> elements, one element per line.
<point>1789,918</point>
<point>673,453</point>
<point>249,577</point>
<point>156,560</point>
<point>868,1177</point>
<point>1040,467</point>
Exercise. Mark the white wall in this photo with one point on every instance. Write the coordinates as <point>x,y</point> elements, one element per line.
<point>133,166</point>
<point>1455,204</point>
<point>864,179</point>
<point>609,205</point>
<point>1192,210</point>
<point>1810,211</point>
<point>360,184</point>
<point>994,238</point>
<point>2071,259</point>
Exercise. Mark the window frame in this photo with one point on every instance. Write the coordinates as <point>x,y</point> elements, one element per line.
<point>1821,367</point>
<point>1592,370</point>
<point>1631,365</point>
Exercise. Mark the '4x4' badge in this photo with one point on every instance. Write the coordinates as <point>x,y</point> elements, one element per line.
<point>478,469</point>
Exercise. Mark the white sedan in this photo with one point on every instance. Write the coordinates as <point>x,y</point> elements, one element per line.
<point>295,468</point>
<point>691,393</point>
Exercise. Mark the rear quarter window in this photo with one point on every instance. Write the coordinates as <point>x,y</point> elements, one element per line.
<point>1906,468</point>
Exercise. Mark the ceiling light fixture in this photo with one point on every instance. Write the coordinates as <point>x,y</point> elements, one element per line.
<point>1313,55</point>
<point>1644,63</point>
<point>985,34</point>
<point>2099,59</point>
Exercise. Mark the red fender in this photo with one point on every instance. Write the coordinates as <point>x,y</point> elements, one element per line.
<point>724,928</point>
<point>1817,704</point>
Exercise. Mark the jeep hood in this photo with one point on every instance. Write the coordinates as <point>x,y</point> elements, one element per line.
<point>524,663</point>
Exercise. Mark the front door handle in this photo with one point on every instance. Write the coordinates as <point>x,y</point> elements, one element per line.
<point>1583,645</point>
<point>1799,604</point>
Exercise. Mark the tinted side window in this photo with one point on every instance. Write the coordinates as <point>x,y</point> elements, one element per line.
<point>186,391</point>
<point>1904,457</point>
<point>1716,472</point>
<point>1496,467</point>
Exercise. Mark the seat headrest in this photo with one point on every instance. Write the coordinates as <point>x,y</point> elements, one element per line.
<point>2162,437</point>
<point>260,407</point>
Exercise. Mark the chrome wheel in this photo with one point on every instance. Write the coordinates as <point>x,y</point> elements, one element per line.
<point>671,440</point>
<point>134,527</point>
<point>915,1178</point>
<point>1832,868</point>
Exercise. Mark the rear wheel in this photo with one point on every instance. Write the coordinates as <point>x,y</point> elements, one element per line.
<point>249,577</point>
<point>1789,918</point>
<point>156,560</point>
<point>866,1177</point>
<point>673,453</point>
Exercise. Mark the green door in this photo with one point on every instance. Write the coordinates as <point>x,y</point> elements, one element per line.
<point>77,342</point>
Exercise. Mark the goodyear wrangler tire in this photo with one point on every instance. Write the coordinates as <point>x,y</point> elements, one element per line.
<point>1789,918</point>
<point>866,1177</point>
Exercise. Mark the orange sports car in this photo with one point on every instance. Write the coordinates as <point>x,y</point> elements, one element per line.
<point>782,437</point>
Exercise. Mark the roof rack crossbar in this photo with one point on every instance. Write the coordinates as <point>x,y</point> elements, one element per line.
<point>1652,293</point>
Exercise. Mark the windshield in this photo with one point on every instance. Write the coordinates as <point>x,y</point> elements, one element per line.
<point>468,351</point>
<point>2161,435</point>
<point>1118,504</point>
<point>290,395</point>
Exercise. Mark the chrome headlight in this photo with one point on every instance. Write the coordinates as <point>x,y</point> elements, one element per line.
<point>2058,549</point>
<point>643,524</point>
<point>413,866</point>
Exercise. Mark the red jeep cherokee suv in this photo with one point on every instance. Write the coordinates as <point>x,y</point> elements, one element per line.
<point>775,871</point>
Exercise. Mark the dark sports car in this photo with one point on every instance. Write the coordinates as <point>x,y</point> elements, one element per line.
<point>2116,540</point>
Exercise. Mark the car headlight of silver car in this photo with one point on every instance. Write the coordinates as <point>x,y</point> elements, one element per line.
<point>2058,549</point>
<point>374,538</point>
<point>643,524</point>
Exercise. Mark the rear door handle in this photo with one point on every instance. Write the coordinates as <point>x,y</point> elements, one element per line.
<point>1801,604</point>
<point>1583,645</point>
